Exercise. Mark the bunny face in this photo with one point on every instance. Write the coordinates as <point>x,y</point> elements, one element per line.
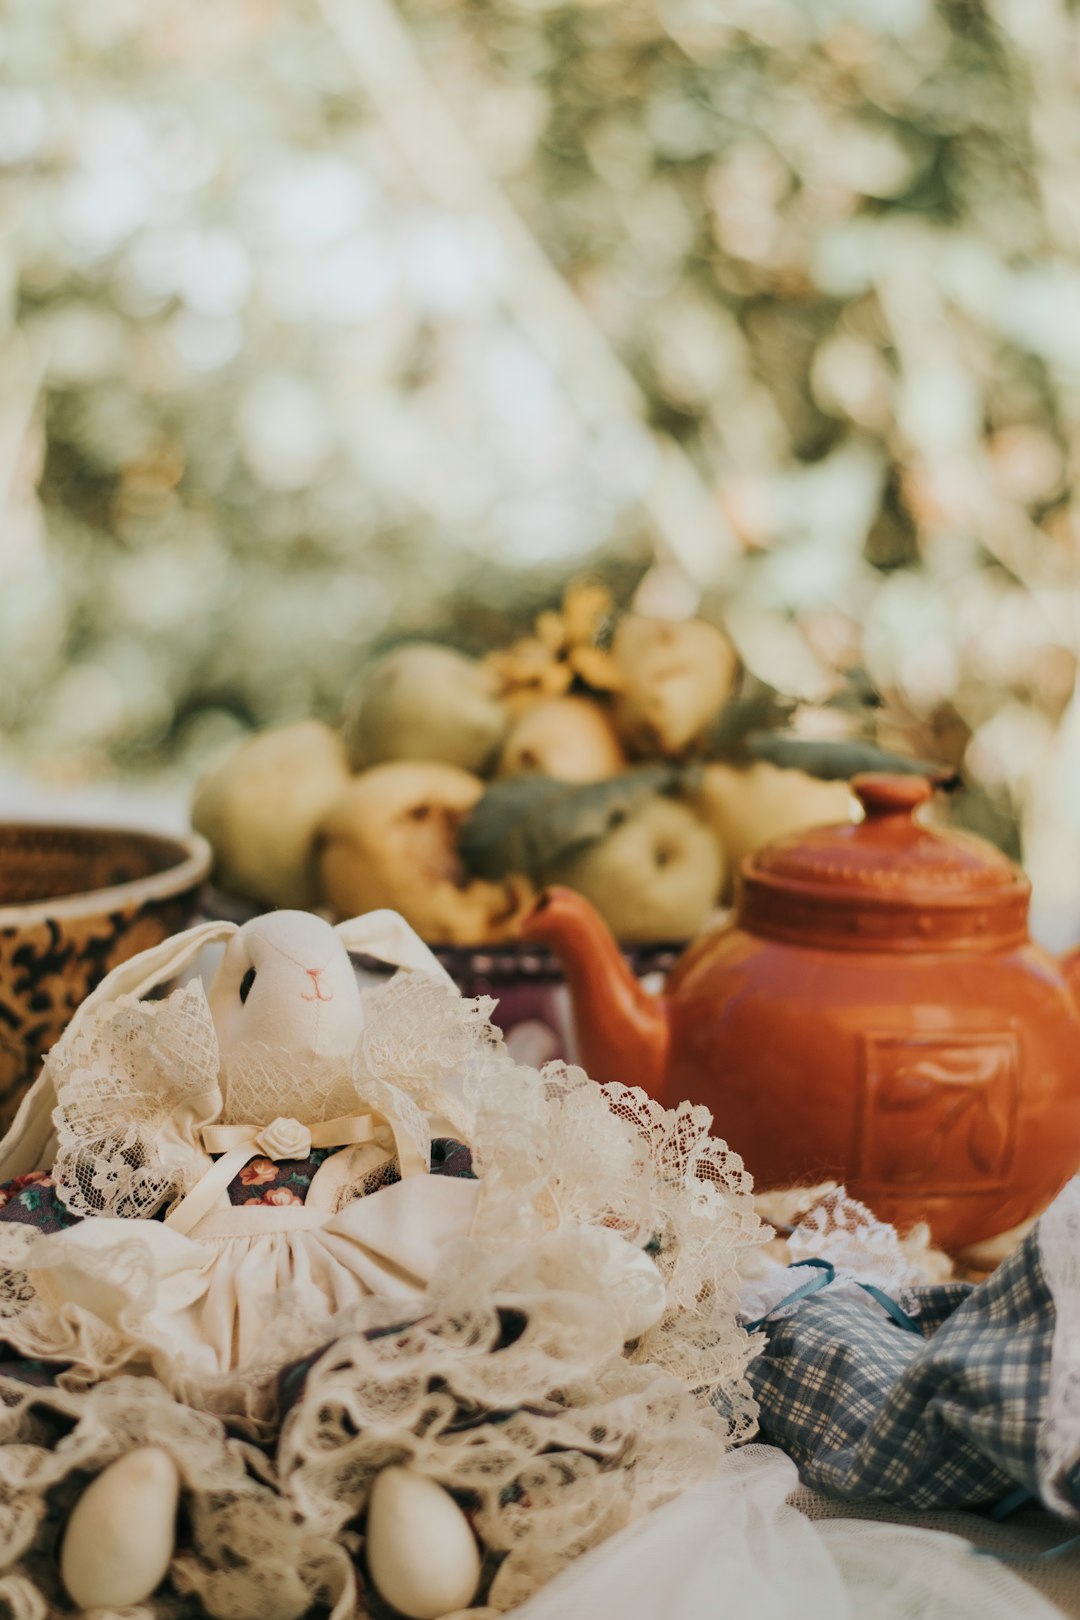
<point>285,981</point>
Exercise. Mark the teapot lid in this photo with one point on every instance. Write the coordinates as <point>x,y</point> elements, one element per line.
<point>887,883</point>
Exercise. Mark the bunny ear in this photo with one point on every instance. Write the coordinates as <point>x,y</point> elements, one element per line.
<point>387,937</point>
<point>153,967</point>
<point>29,1139</point>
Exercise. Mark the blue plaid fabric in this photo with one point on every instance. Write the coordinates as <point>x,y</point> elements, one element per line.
<point>948,1417</point>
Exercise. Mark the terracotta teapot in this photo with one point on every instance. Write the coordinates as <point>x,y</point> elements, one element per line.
<point>875,1013</point>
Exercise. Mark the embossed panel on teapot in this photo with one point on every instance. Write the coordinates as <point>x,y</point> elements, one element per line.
<point>938,1112</point>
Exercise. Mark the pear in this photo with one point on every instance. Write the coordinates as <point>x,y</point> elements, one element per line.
<point>571,739</point>
<point>655,877</point>
<point>422,701</point>
<point>675,677</point>
<point>260,806</point>
<point>391,840</point>
<point>748,807</point>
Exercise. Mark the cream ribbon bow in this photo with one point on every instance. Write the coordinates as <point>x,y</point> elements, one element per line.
<point>283,1138</point>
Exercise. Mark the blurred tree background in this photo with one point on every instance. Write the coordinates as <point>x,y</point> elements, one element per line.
<point>325,323</point>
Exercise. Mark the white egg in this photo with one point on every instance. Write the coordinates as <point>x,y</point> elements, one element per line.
<point>421,1553</point>
<point>120,1537</point>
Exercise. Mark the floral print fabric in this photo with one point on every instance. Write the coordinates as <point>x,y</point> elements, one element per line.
<point>32,1199</point>
<point>282,1181</point>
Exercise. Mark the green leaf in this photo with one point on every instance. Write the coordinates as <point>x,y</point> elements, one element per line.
<point>838,759</point>
<point>758,707</point>
<point>857,695</point>
<point>531,823</point>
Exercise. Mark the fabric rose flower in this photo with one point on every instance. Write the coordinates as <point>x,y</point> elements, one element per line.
<point>257,1173</point>
<point>285,1139</point>
<point>281,1195</point>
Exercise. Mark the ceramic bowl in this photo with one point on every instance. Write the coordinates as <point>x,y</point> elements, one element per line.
<point>75,902</point>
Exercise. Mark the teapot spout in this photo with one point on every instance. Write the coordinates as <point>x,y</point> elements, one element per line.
<point>622,1031</point>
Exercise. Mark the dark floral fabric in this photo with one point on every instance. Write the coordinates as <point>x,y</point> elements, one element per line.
<point>32,1200</point>
<point>280,1181</point>
<point>288,1181</point>
<point>42,1374</point>
<point>451,1158</point>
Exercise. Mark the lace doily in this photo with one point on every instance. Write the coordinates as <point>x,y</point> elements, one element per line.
<point>826,1223</point>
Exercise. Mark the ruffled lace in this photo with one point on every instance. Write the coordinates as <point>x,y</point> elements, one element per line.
<point>422,1036</point>
<point>248,1556</point>
<point>512,1387</point>
<point>826,1223</point>
<point>861,1248</point>
<point>508,1377</point>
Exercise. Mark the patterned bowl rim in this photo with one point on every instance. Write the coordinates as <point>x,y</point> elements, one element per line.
<point>191,867</point>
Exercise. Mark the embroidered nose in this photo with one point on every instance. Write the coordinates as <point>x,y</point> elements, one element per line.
<point>313,975</point>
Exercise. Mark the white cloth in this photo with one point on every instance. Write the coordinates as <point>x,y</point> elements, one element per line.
<point>200,1305</point>
<point>1059,1442</point>
<point>736,1546</point>
<point>146,1092</point>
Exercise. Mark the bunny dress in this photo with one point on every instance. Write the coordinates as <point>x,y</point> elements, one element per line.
<point>229,1172</point>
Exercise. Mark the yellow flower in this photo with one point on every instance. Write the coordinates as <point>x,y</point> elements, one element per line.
<point>563,648</point>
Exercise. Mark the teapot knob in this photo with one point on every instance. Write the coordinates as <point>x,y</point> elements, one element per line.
<point>887,795</point>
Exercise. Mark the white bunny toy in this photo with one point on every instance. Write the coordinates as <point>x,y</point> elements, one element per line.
<point>162,1119</point>
<point>286,981</point>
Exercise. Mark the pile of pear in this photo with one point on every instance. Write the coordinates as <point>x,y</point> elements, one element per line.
<point>369,814</point>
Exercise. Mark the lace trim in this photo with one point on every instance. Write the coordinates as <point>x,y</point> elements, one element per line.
<point>257,1088</point>
<point>132,1083</point>
<point>438,1046</point>
<point>245,1553</point>
<point>862,1248</point>
<point>830,1225</point>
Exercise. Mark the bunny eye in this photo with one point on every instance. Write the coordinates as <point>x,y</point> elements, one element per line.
<point>246,983</point>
